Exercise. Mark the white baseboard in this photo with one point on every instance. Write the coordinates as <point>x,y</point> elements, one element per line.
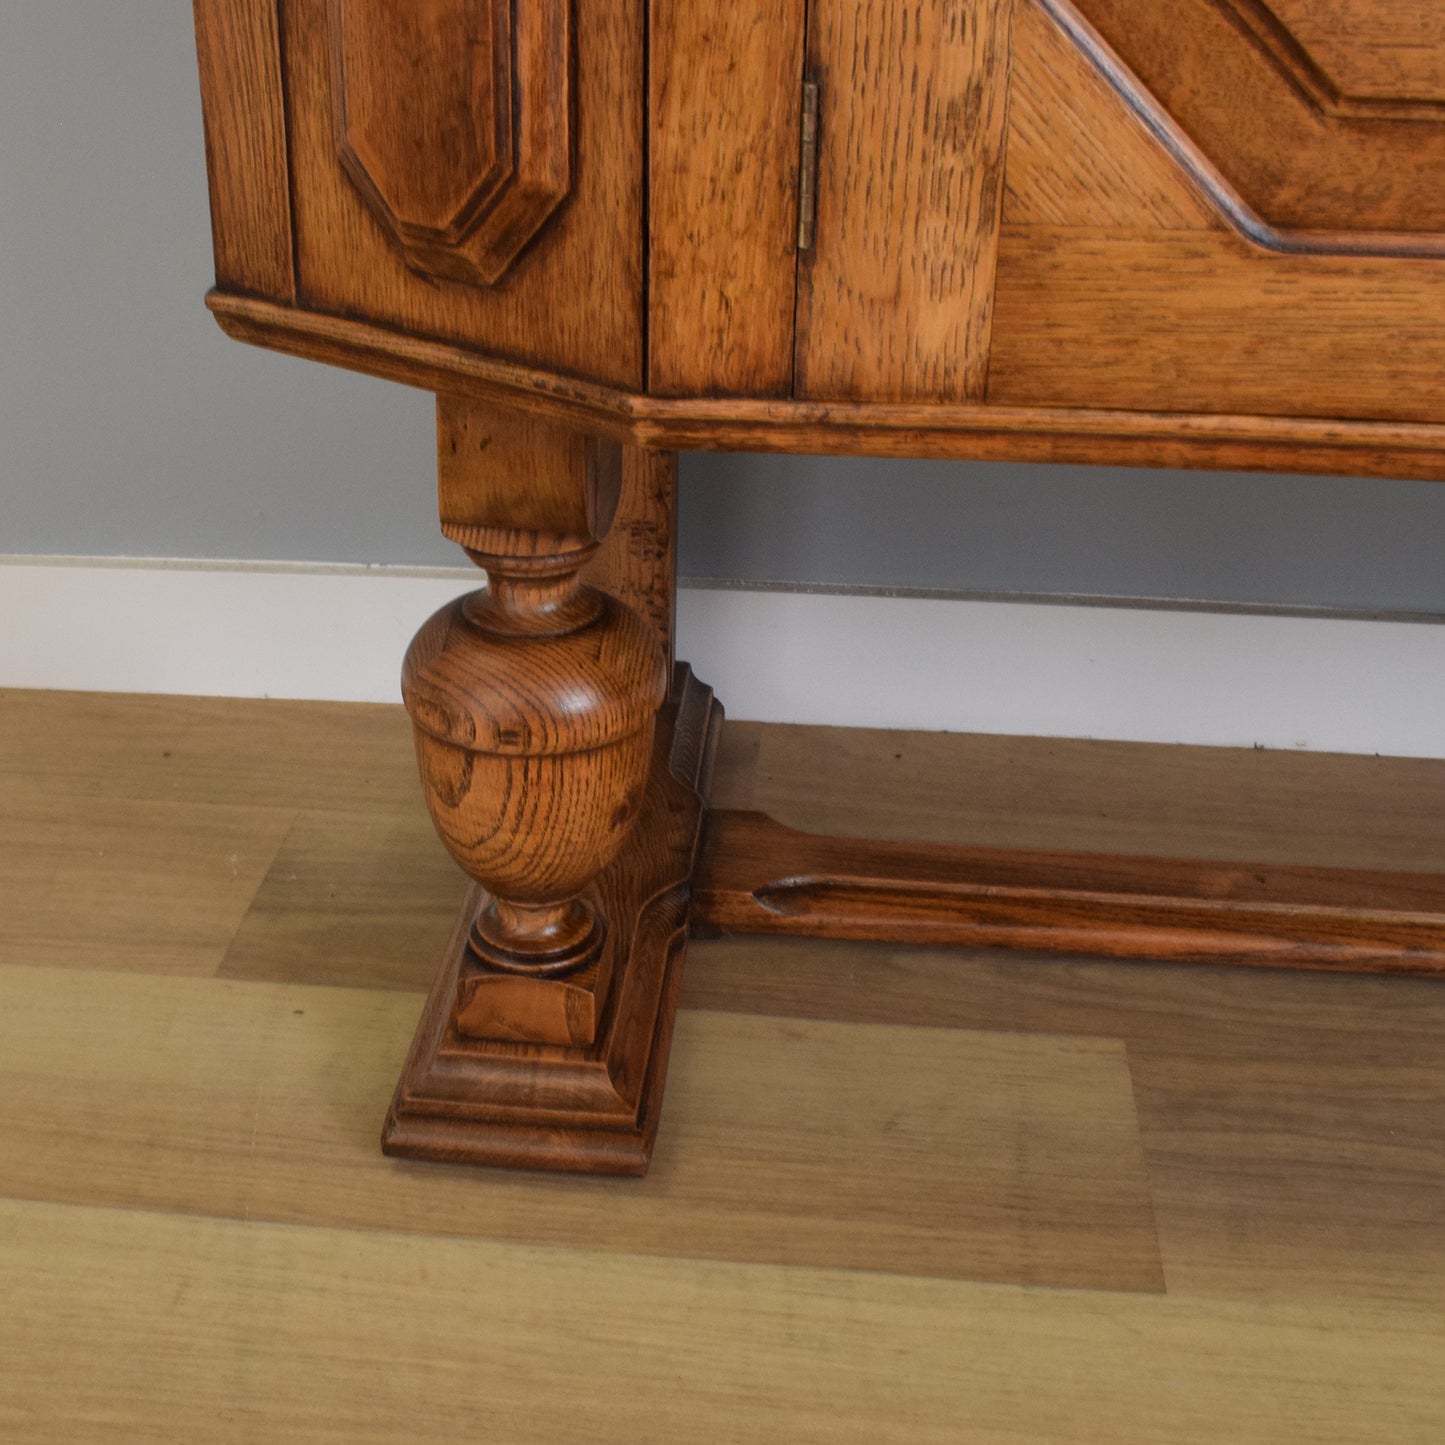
<point>1225,679</point>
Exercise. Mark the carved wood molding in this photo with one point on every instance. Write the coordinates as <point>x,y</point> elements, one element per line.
<point>1316,77</point>
<point>1091,435</point>
<point>454,121</point>
<point>1312,165</point>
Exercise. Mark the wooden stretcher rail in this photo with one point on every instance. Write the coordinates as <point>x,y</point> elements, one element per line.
<point>759,876</point>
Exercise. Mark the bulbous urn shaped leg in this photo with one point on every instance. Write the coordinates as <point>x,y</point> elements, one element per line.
<point>568,782</point>
<point>533,702</point>
<point>534,747</point>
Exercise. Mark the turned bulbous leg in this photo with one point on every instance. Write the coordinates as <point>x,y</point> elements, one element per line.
<point>570,787</point>
<point>534,749</point>
<point>533,702</point>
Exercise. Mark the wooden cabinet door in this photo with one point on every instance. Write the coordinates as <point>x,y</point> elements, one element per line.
<point>1194,222</point>
<point>472,171</point>
<point>1209,206</point>
<point>895,295</point>
<point>891,301</point>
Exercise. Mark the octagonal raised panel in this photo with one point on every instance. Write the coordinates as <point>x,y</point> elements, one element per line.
<point>453,120</point>
<point>1373,57</point>
<point>1324,116</point>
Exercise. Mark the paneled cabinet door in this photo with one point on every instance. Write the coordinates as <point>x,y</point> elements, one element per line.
<point>1224,206</point>
<point>471,171</point>
<point>1230,207</point>
<point>1219,206</point>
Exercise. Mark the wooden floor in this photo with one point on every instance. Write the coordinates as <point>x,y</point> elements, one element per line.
<point>898,1195</point>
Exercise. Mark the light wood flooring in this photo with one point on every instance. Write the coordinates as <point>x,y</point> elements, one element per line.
<point>898,1194</point>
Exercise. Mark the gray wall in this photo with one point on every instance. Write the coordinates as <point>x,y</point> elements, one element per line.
<point>1087,532</point>
<point>130,427</point>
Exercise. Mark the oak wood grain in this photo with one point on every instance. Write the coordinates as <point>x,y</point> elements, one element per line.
<point>1117,341</point>
<point>533,701</point>
<point>1078,155</point>
<point>454,120</point>
<point>238,49</point>
<point>1086,434</point>
<point>573,301</point>
<point>1206,322</point>
<point>1371,52</point>
<point>726,82</point>
<point>1243,92</point>
<point>637,561</point>
<point>895,300</point>
<point>423,100</point>
<point>538,1067</point>
<point>758,876</point>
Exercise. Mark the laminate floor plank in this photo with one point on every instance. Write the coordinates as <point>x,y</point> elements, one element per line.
<point>923,1151</point>
<point>898,1193</point>
<point>121,1326</point>
<point>1293,1124</point>
<point>359,899</point>
<point>107,882</point>
<point>1306,808</point>
<point>1093,796</point>
<point>243,751</point>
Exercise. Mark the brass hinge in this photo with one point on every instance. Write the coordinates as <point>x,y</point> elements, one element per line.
<point>808,169</point>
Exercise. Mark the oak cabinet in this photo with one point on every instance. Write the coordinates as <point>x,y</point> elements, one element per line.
<point>1164,232</point>
<point>1217,208</point>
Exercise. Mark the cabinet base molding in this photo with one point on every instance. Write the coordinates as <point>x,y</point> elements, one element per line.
<point>590,1107</point>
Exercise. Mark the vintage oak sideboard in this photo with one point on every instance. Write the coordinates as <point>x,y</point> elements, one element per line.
<point>1194,233</point>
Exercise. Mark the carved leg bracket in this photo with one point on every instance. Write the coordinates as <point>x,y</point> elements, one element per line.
<point>573,803</point>
<point>591,1105</point>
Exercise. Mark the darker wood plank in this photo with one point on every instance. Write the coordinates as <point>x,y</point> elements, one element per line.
<point>1090,795</point>
<point>1292,1122</point>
